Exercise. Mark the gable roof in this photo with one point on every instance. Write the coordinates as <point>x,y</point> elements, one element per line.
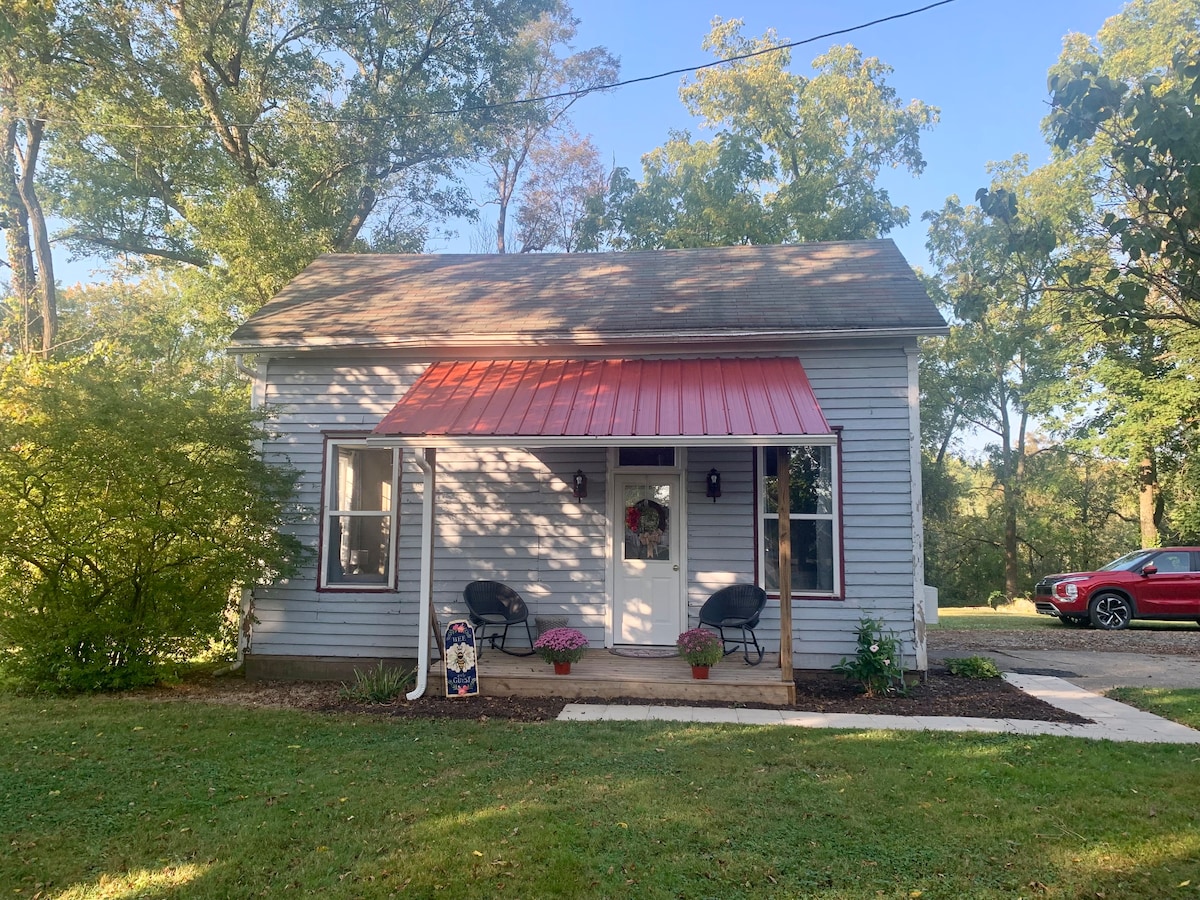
<point>395,301</point>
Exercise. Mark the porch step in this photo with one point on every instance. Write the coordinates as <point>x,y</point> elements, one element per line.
<point>601,675</point>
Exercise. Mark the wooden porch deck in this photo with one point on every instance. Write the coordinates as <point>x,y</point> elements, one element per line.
<point>604,675</point>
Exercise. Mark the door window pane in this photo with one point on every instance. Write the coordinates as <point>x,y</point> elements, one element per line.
<point>647,521</point>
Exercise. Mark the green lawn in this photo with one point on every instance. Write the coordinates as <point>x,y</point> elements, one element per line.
<point>121,798</point>
<point>1181,705</point>
<point>983,618</point>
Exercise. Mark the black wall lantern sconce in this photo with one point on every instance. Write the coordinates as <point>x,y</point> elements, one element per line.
<point>579,484</point>
<point>713,484</point>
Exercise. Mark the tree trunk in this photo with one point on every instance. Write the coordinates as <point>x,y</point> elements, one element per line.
<point>1149,504</point>
<point>40,233</point>
<point>16,236</point>
<point>27,237</point>
<point>501,224</point>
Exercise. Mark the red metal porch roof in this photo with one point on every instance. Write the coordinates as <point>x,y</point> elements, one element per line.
<point>616,398</point>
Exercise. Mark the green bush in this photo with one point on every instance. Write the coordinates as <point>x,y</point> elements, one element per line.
<point>973,667</point>
<point>135,511</point>
<point>379,685</point>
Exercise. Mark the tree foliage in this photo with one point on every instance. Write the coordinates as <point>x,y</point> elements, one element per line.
<point>1149,187</point>
<point>539,133</point>
<point>794,158</point>
<point>1006,354</point>
<point>134,510</point>
<point>565,179</point>
<point>251,137</point>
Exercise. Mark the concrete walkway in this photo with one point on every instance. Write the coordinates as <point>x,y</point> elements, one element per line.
<point>1112,720</point>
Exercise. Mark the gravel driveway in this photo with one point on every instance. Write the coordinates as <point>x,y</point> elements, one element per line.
<point>1181,641</point>
<point>1091,658</point>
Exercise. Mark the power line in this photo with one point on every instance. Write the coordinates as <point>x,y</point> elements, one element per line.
<point>709,65</point>
<point>576,94</point>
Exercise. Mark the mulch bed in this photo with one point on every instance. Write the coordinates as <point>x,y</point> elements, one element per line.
<point>938,694</point>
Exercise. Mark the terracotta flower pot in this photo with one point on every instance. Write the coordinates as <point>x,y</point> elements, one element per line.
<point>562,668</point>
<point>700,672</point>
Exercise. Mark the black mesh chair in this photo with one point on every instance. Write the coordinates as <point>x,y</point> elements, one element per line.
<point>737,606</point>
<point>491,604</point>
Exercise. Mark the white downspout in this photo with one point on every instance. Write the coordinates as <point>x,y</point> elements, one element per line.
<point>427,462</point>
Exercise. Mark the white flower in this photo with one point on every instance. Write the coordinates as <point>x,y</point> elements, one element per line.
<point>874,648</point>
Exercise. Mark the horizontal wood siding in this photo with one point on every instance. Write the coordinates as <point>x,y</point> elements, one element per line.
<point>309,397</point>
<point>721,545</point>
<point>865,391</point>
<point>509,515</point>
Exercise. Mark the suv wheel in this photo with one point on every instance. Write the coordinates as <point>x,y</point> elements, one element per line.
<point>1110,611</point>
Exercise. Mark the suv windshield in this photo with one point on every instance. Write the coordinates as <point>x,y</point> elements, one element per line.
<point>1127,563</point>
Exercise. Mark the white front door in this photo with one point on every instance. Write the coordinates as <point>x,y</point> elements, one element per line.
<point>648,601</point>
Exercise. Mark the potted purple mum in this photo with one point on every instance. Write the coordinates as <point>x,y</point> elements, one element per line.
<point>561,646</point>
<point>701,648</point>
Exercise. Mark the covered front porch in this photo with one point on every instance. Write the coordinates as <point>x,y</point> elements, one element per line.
<point>604,675</point>
<point>634,542</point>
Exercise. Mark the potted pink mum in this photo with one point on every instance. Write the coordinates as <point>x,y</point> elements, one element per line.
<point>561,646</point>
<point>701,648</point>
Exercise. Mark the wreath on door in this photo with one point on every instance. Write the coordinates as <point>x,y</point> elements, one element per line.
<point>647,521</point>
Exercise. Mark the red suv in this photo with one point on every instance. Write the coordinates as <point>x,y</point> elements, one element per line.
<point>1145,584</point>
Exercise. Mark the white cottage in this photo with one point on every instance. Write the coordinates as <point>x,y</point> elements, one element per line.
<point>601,432</point>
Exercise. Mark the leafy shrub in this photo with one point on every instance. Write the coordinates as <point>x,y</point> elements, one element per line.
<point>973,667</point>
<point>877,665</point>
<point>379,685</point>
<point>136,510</point>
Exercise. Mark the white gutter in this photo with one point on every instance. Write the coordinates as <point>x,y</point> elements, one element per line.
<point>427,461</point>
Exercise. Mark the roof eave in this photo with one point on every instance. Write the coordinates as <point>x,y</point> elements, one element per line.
<point>446,342</point>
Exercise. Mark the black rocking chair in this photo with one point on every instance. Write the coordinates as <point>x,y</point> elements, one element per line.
<point>737,606</point>
<point>491,604</point>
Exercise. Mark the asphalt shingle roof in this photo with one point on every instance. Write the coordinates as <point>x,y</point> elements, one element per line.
<point>380,300</point>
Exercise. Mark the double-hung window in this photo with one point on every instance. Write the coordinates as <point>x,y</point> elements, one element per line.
<point>361,487</point>
<point>813,514</point>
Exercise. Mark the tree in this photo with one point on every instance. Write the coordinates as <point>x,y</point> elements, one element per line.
<point>799,156</point>
<point>1006,352</point>
<point>543,72</point>
<point>565,178</point>
<point>250,137</point>
<point>692,194</point>
<point>42,46</point>
<point>135,509</point>
<point>1125,107</point>
<point>1123,112</point>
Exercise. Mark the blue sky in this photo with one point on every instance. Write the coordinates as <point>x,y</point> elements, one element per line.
<point>983,62</point>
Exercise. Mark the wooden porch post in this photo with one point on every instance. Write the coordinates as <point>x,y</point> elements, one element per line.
<point>784,505</point>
